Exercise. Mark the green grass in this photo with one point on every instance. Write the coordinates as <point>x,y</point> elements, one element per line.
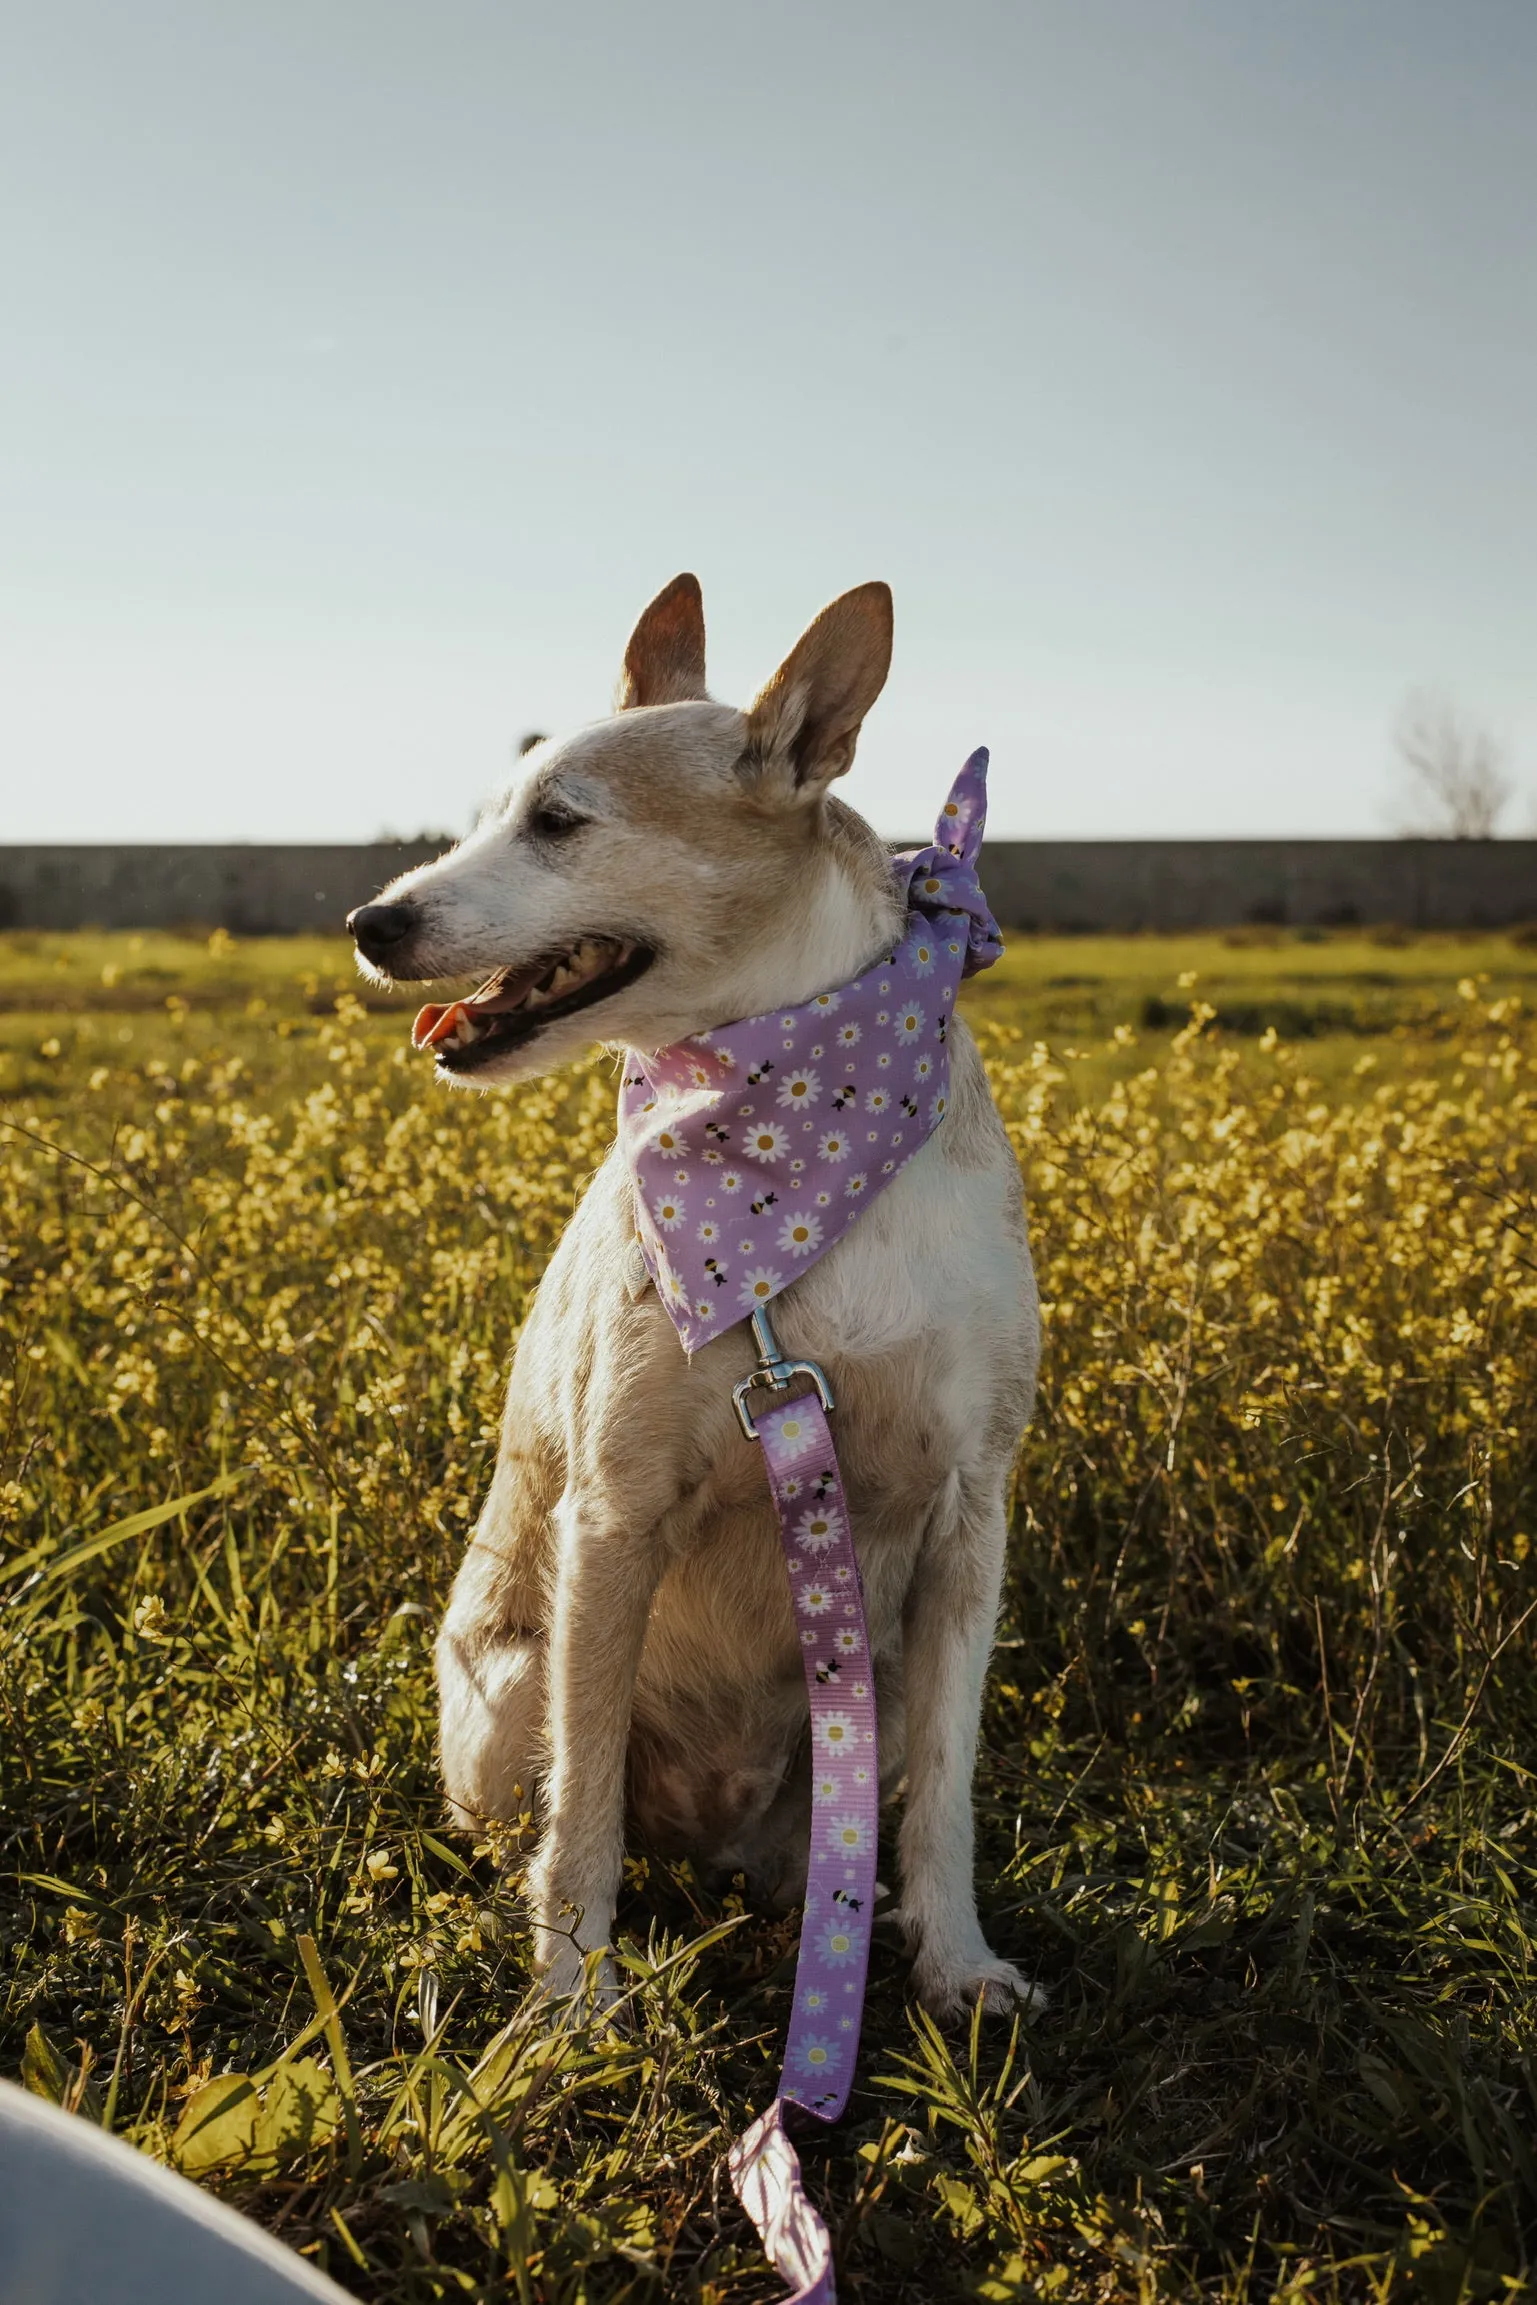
<point>1258,1793</point>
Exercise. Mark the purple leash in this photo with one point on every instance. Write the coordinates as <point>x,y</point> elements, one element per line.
<point>834,1953</point>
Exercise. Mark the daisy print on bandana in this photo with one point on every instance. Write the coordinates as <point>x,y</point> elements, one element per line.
<point>762,1107</point>
<point>765,1141</point>
<point>799,1236</point>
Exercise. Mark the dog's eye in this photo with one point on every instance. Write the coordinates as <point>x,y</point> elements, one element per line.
<point>553,822</point>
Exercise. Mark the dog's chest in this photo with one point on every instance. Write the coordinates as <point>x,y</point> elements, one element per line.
<point>925,1307</point>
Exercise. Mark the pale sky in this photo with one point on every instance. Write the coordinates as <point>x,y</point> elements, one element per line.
<point>365,366</point>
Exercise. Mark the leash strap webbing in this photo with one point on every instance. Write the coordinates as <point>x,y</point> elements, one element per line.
<point>823,2041</point>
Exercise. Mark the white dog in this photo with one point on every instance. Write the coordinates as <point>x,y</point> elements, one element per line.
<point>621,1627</point>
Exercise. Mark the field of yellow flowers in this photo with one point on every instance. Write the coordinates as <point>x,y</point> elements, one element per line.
<point>1259,1788</point>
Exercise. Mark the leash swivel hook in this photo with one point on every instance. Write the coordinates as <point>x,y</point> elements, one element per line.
<point>773,1373</point>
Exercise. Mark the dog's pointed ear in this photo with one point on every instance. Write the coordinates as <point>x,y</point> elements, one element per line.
<point>805,723</point>
<point>664,662</point>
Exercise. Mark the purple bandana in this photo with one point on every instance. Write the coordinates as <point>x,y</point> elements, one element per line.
<point>755,1146</point>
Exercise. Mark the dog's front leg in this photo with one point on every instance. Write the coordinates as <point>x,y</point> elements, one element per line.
<point>948,1627</point>
<point>606,1575</point>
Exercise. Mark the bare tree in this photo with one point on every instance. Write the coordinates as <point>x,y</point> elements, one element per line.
<point>1454,772</point>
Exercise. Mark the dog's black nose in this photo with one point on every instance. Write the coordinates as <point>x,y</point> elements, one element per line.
<point>378,929</point>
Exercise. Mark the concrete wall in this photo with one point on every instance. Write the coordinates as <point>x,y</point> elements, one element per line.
<point>1172,884</point>
<point>247,889</point>
<point>1055,884</point>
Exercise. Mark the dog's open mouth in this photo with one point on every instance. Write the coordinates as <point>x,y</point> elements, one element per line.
<point>516,1003</point>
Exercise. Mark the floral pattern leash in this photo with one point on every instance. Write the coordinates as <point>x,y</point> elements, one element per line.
<point>834,1954</point>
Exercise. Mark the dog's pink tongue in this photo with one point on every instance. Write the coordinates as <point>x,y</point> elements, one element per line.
<point>435,1022</point>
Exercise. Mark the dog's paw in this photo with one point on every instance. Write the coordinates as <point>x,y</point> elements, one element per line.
<point>579,1986</point>
<point>951,1988</point>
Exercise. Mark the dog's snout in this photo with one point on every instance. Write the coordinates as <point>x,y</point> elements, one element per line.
<point>379,930</point>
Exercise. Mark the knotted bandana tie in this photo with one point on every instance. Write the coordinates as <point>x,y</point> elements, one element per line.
<point>754,1146</point>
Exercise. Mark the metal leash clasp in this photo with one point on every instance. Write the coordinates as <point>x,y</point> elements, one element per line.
<point>773,1373</point>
